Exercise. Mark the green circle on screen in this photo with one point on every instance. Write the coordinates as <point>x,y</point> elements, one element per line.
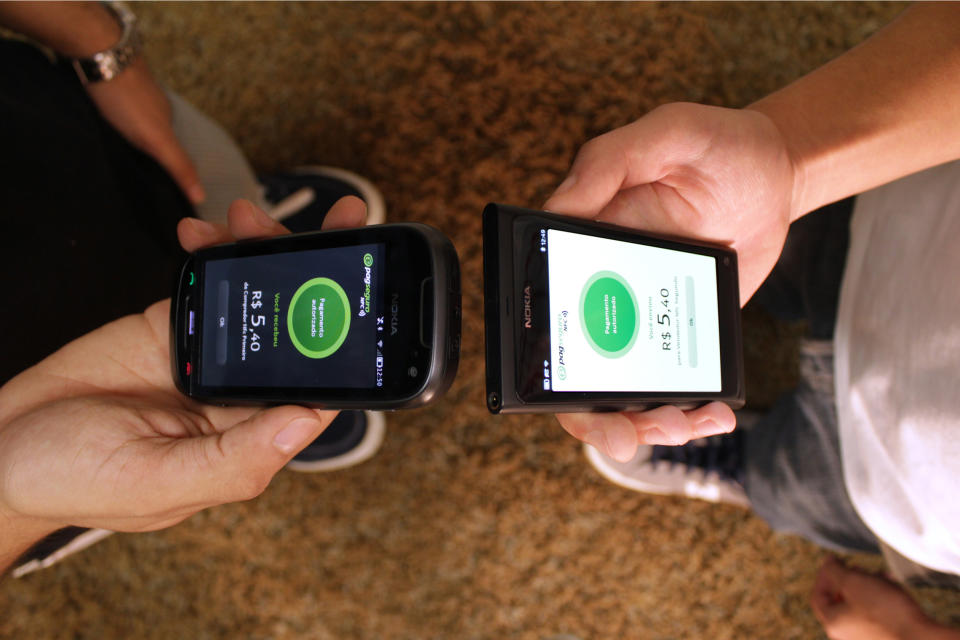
<point>609,314</point>
<point>318,318</point>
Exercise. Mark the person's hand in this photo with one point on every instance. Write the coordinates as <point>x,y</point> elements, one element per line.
<point>691,171</point>
<point>854,605</point>
<point>97,435</point>
<point>687,171</point>
<point>135,105</point>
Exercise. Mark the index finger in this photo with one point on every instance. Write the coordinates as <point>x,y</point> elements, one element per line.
<point>247,221</point>
<point>639,153</point>
<point>164,147</point>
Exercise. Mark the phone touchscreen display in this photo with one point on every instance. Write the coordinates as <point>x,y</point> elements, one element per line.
<point>297,319</point>
<point>630,317</point>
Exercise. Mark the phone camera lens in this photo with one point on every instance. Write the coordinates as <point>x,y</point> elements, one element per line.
<point>493,400</point>
<point>412,371</point>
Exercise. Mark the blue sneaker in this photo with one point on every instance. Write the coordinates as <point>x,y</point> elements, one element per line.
<point>301,198</point>
<point>55,547</point>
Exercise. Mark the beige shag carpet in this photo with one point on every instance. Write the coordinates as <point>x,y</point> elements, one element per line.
<point>465,525</point>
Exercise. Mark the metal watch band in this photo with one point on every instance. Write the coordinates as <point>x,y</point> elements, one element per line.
<point>106,65</point>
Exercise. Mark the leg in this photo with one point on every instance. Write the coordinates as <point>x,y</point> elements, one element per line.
<point>792,468</point>
<point>805,283</point>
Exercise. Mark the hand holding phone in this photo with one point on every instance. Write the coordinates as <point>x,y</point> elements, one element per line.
<point>120,422</point>
<point>586,317</point>
<point>691,171</point>
<point>364,318</point>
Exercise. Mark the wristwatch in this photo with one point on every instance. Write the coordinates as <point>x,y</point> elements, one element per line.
<point>107,64</point>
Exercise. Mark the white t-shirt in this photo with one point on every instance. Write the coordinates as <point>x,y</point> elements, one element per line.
<point>898,365</point>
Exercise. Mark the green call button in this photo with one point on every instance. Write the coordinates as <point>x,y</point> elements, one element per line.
<point>609,314</point>
<point>318,318</point>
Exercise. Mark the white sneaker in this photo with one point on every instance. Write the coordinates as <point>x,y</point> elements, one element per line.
<point>707,468</point>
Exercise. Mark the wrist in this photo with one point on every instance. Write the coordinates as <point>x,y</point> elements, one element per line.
<point>18,531</point>
<point>19,534</point>
<point>101,32</point>
<point>878,112</point>
<point>800,199</point>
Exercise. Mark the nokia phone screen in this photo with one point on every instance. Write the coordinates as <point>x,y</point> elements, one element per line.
<point>296,319</point>
<point>629,317</point>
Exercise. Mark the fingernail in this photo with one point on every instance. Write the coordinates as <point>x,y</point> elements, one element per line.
<point>196,194</point>
<point>566,185</point>
<point>612,443</point>
<point>708,427</point>
<point>596,440</point>
<point>295,435</point>
<point>201,227</point>
<point>656,436</point>
<point>262,218</point>
<point>621,444</point>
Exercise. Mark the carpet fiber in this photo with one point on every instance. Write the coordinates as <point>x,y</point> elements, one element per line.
<point>465,525</point>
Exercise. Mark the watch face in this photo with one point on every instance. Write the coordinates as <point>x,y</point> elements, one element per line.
<point>106,65</point>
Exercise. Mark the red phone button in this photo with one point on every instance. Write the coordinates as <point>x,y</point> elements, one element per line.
<point>189,368</point>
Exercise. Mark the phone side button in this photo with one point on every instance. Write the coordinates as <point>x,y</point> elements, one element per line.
<point>186,331</point>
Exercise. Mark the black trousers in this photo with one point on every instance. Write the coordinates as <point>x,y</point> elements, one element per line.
<point>89,222</point>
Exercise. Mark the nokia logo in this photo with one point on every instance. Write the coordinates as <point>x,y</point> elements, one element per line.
<point>527,311</point>
<point>394,312</point>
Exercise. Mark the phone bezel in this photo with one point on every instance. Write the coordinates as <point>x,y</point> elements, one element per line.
<point>430,271</point>
<point>508,351</point>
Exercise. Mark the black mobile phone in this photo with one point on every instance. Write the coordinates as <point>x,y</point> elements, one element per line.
<point>365,318</point>
<point>584,316</point>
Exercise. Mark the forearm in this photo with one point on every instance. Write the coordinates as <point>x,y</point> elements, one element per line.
<point>76,29</point>
<point>883,110</point>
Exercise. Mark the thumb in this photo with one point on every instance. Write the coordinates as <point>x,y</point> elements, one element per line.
<point>238,463</point>
<point>826,599</point>
<point>347,212</point>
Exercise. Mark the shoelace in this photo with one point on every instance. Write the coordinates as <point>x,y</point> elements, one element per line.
<point>721,454</point>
